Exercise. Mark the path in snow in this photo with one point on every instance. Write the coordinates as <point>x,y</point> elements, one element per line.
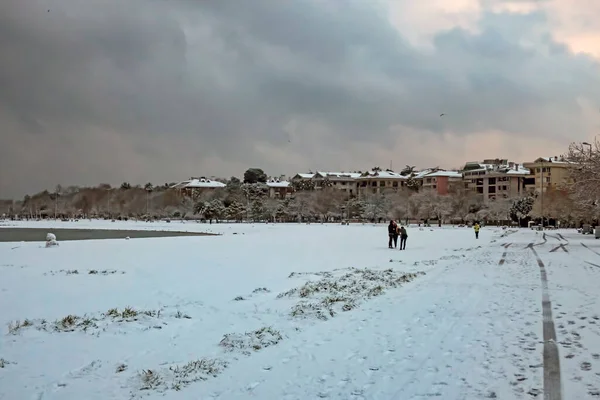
<point>467,330</point>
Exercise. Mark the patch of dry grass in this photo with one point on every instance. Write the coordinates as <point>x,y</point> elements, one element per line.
<point>89,272</point>
<point>177,377</point>
<point>324,298</point>
<point>255,340</point>
<point>72,323</point>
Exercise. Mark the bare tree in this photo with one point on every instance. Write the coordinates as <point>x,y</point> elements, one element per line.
<point>584,182</point>
<point>498,209</point>
<point>376,206</point>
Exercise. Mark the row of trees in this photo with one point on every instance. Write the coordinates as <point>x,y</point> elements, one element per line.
<point>248,199</point>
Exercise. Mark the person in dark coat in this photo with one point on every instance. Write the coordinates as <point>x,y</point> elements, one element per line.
<point>403,237</point>
<point>393,234</point>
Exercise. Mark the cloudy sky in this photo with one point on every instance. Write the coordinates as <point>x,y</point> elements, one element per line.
<point>155,90</point>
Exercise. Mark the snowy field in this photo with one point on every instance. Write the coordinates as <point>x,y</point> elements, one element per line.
<point>297,312</point>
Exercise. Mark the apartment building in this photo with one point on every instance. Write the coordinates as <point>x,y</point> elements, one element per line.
<point>440,181</point>
<point>547,173</point>
<point>279,188</point>
<point>380,181</point>
<point>200,184</point>
<point>345,181</point>
<point>495,178</point>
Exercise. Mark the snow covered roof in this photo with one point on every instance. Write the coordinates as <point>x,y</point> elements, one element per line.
<point>421,174</point>
<point>554,160</point>
<point>382,175</point>
<point>510,168</point>
<point>202,182</point>
<point>520,170</point>
<point>339,175</point>
<point>450,174</point>
<point>277,183</point>
<point>304,175</point>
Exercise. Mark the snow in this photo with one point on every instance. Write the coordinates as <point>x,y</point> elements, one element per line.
<point>450,174</point>
<point>383,175</point>
<point>211,316</point>
<point>277,183</point>
<point>339,175</point>
<point>199,183</point>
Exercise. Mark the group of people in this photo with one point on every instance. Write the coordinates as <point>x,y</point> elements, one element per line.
<point>395,231</point>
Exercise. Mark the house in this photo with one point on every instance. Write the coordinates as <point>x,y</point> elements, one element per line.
<point>378,181</point>
<point>440,181</point>
<point>195,185</point>
<point>279,188</point>
<point>345,181</point>
<point>547,173</point>
<point>495,178</point>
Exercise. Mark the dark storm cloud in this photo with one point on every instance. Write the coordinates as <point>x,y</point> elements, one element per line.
<point>175,84</point>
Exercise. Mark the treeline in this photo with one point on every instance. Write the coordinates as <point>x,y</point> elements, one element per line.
<point>249,200</point>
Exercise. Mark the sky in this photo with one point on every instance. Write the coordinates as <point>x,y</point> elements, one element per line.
<point>153,90</point>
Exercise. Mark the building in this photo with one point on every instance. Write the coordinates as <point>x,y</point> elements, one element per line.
<point>279,188</point>
<point>380,181</point>
<point>345,181</point>
<point>547,173</point>
<point>196,185</point>
<point>440,181</point>
<point>495,178</point>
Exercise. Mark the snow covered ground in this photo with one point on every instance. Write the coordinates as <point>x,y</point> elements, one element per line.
<point>218,316</point>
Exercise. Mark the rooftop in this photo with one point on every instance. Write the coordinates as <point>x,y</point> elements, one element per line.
<point>202,182</point>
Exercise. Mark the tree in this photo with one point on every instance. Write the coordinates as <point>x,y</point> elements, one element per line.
<point>412,183</point>
<point>440,207</point>
<point>408,170</point>
<point>255,175</point>
<point>584,177</point>
<point>125,186</point>
<point>376,207</point>
<point>497,209</point>
<point>303,185</point>
<point>301,205</point>
<point>521,208</point>
<point>210,210</point>
<point>398,208</point>
<point>235,211</point>
<point>257,209</point>
<point>149,187</point>
<point>327,202</point>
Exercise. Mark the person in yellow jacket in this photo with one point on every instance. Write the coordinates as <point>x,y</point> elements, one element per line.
<point>476,229</point>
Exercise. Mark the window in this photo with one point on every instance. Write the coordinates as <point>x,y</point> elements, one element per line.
<point>479,182</point>
<point>492,189</point>
<point>504,187</point>
<point>381,183</point>
<point>492,181</point>
<point>480,190</point>
<point>373,183</point>
<point>395,184</point>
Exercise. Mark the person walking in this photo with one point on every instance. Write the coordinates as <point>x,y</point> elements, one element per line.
<point>392,233</point>
<point>403,237</point>
<point>476,228</point>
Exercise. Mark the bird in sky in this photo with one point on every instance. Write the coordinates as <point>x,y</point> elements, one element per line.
<point>441,115</point>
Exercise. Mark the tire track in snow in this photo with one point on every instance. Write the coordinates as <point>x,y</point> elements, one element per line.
<point>552,378</point>
<point>503,258</point>
<point>592,250</point>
